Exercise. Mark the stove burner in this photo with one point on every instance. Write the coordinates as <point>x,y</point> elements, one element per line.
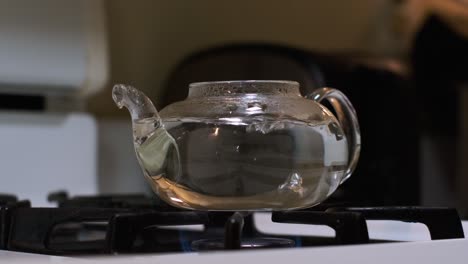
<point>136,223</point>
<point>246,243</point>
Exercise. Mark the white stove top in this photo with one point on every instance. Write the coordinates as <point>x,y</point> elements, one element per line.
<point>449,251</point>
<point>419,249</point>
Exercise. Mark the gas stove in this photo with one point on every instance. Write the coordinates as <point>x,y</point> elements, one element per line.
<point>138,228</point>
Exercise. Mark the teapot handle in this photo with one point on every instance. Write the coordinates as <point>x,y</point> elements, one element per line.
<point>348,120</point>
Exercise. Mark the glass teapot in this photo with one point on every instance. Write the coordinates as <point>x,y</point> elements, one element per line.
<point>244,145</point>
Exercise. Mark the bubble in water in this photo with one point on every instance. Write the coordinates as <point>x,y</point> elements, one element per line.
<point>231,108</point>
<point>256,107</point>
<point>292,183</point>
<point>265,127</point>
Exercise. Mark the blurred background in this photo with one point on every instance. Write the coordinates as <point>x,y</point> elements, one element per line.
<point>403,64</point>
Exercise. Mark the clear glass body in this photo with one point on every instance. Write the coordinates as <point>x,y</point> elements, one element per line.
<point>241,145</point>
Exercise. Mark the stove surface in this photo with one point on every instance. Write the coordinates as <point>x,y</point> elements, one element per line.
<point>442,251</point>
<point>137,229</point>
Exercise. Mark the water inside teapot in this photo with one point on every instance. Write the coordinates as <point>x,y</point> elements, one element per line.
<point>230,164</point>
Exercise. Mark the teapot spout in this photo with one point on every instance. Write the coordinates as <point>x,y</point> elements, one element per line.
<point>145,117</point>
<point>156,149</point>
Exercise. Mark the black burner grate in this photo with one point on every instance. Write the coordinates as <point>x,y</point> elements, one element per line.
<point>136,223</point>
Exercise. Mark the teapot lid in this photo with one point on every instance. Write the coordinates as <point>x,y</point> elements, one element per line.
<point>245,100</point>
<point>223,88</point>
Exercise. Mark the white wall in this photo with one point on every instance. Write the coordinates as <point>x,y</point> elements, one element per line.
<point>118,170</point>
<point>148,38</point>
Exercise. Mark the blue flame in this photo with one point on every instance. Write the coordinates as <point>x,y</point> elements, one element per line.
<point>298,242</point>
<point>184,242</point>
